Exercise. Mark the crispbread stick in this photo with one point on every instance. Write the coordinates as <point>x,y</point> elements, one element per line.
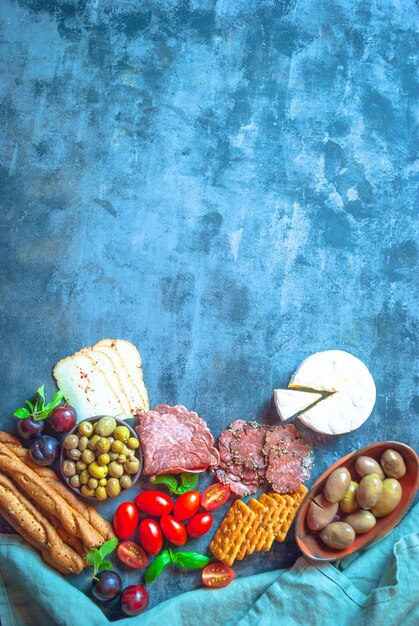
<point>45,495</point>
<point>89,513</point>
<point>35,528</point>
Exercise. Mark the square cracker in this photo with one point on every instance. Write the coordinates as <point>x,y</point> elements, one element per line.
<point>248,545</point>
<point>267,535</point>
<point>293,503</point>
<point>232,532</point>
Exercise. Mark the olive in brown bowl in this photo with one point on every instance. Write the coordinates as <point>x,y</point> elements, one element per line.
<point>100,457</point>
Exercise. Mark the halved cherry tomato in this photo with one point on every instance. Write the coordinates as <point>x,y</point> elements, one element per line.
<point>173,530</point>
<point>187,505</point>
<point>150,536</point>
<point>125,520</point>
<point>132,554</point>
<point>199,524</point>
<point>217,575</point>
<point>215,496</point>
<point>154,502</point>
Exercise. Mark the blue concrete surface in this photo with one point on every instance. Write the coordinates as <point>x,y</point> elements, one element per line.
<point>228,184</point>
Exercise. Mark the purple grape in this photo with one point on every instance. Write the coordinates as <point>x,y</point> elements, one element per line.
<point>29,429</point>
<point>108,586</point>
<point>44,450</point>
<point>63,418</point>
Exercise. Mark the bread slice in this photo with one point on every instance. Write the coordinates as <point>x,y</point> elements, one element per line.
<point>132,361</point>
<point>112,374</point>
<point>86,387</point>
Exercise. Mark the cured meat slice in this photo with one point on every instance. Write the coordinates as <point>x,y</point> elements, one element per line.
<point>251,453</point>
<point>175,440</point>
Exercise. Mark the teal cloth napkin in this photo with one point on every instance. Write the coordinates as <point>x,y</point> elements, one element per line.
<point>378,585</point>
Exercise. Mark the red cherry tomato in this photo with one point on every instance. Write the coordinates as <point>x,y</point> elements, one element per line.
<point>132,554</point>
<point>199,524</point>
<point>187,505</point>
<point>173,530</point>
<point>125,520</point>
<point>215,496</point>
<point>217,575</point>
<point>154,503</point>
<point>150,536</point>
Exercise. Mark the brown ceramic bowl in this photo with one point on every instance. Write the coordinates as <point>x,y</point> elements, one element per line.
<point>310,543</point>
<point>138,454</point>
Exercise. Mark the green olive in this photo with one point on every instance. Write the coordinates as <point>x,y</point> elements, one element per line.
<point>125,481</point>
<point>131,454</point>
<point>361,521</point>
<point>84,477</point>
<point>113,488</point>
<point>104,459</point>
<point>74,454</point>
<point>133,443</point>
<point>88,456</point>
<point>115,469</point>
<point>85,429</point>
<point>117,446</point>
<point>349,503</point>
<point>111,440</point>
<point>389,498</point>
<point>103,482</point>
<point>393,464</point>
<point>80,466</point>
<point>365,465</point>
<point>103,445</point>
<point>100,493</point>
<point>369,491</point>
<point>320,513</point>
<point>83,441</point>
<point>70,442</point>
<point>86,491</point>
<point>93,483</point>
<point>92,442</point>
<point>122,433</point>
<point>122,458</point>
<point>75,481</point>
<point>113,456</point>
<point>98,471</point>
<point>69,468</point>
<point>105,426</point>
<point>132,466</point>
<point>338,535</point>
<point>337,485</point>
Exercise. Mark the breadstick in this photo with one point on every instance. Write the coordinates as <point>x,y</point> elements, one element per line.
<point>89,513</point>
<point>45,495</point>
<point>28,521</point>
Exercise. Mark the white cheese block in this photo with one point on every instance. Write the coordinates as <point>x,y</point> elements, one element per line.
<point>353,388</point>
<point>86,387</point>
<point>289,402</point>
<point>132,361</point>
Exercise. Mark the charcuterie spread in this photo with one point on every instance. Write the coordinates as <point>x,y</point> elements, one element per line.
<point>83,434</point>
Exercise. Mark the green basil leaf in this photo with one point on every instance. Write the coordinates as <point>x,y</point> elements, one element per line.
<point>41,392</point>
<point>154,570</point>
<point>189,482</point>
<point>21,413</point>
<point>190,560</point>
<point>105,565</point>
<point>30,405</point>
<point>91,556</point>
<point>168,480</point>
<point>108,547</point>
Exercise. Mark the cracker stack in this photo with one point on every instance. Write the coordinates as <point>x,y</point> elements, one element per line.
<point>253,527</point>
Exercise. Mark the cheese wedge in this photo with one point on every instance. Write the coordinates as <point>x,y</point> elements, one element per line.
<point>132,361</point>
<point>289,402</point>
<point>86,387</point>
<point>351,390</point>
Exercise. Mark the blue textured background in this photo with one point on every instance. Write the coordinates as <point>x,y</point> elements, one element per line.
<point>229,185</point>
